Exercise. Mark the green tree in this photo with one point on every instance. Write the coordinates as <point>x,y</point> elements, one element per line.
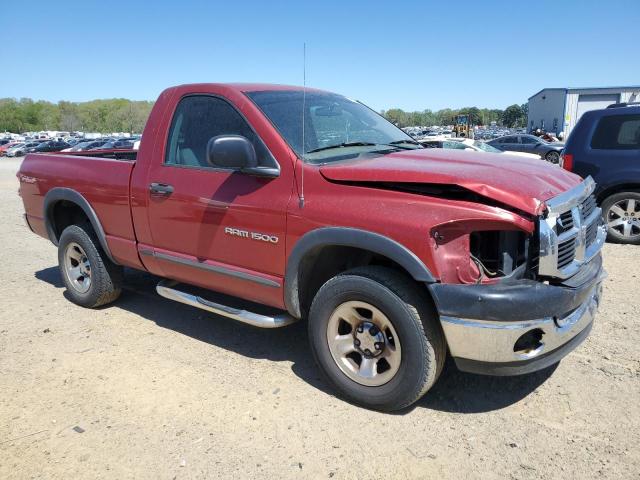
<point>397,116</point>
<point>105,116</point>
<point>445,116</point>
<point>474,113</point>
<point>514,116</point>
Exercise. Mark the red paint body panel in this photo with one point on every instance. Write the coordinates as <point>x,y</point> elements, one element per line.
<point>102,182</point>
<point>407,218</point>
<point>190,224</point>
<point>522,183</point>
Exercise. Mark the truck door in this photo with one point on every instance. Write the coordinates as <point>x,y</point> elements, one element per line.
<point>212,227</point>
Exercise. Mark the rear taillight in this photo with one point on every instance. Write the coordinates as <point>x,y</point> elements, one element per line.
<point>566,161</point>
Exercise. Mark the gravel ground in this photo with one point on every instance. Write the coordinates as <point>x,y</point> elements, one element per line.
<point>147,388</point>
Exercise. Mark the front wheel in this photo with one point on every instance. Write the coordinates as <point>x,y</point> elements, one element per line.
<point>91,278</point>
<point>376,338</point>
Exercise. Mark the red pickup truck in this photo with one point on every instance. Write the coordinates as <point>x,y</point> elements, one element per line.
<point>305,204</point>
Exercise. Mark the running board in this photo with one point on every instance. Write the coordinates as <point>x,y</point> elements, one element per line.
<point>257,320</point>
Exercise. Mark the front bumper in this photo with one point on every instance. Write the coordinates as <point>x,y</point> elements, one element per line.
<point>484,323</point>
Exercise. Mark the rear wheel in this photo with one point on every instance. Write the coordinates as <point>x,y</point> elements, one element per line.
<point>553,157</point>
<point>621,214</point>
<point>90,277</point>
<point>376,338</point>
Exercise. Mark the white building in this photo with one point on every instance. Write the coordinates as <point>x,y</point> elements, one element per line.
<point>558,109</point>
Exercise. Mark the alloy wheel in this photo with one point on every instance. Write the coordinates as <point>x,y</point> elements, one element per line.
<point>553,157</point>
<point>77,267</point>
<point>624,218</point>
<point>364,343</point>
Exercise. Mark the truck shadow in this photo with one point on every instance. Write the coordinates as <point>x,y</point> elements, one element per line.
<point>455,391</point>
<point>460,392</point>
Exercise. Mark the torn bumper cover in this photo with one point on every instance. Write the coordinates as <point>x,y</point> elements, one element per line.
<point>518,327</point>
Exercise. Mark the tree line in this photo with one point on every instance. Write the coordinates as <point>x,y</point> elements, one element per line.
<point>513,116</point>
<point>112,115</point>
<point>122,115</point>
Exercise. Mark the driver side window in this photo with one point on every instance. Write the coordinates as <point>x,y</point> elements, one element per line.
<point>196,120</point>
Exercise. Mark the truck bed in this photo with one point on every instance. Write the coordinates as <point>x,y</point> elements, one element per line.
<point>101,177</point>
<point>114,154</point>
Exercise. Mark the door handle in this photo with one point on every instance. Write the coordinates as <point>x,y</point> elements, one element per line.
<point>161,189</point>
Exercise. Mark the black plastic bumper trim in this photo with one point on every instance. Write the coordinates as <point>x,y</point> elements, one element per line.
<point>26,220</point>
<point>212,268</point>
<point>515,301</point>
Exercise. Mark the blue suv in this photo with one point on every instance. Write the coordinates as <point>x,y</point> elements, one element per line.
<point>606,145</point>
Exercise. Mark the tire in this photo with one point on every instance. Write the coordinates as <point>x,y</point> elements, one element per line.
<point>553,157</point>
<point>91,279</point>
<point>621,214</point>
<point>417,344</point>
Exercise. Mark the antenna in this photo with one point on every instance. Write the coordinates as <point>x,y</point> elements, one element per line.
<point>304,102</point>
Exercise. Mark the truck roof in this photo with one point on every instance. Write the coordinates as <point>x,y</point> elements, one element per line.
<point>244,87</point>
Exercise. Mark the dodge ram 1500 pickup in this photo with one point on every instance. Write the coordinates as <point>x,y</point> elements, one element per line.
<point>305,204</point>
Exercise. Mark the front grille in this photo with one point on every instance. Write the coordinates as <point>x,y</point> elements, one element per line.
<point>566,252</point>
<point>565,222</point>
<point>592,233</point>
<point>587,207</point>
<point>571,233</point>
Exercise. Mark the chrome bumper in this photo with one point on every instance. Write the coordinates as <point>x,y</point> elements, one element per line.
<point>494,341</point>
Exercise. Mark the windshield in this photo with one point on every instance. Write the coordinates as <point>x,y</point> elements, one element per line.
<point>485,147</point>
<point>330,121</point>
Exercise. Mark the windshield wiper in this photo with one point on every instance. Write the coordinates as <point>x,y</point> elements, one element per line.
<point>397,142</point>
<point>342,145</point>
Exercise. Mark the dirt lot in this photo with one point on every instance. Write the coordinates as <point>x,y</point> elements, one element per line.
<point>152,389</point>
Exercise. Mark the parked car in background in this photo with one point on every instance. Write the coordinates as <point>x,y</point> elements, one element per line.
<point>7,146</point>
<point>470,144</point>
<point>121,143</point>
<point>529,144</point>
<point>605,144</point>
<point>87,145</point>
<point>51,146</point>
<point>79,146</point>
<point>13,148</point>
<point>31,146</point>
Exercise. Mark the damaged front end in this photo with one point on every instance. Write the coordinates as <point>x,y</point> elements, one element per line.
<point>521,300</point>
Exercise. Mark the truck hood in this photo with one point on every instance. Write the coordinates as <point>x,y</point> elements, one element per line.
<point>521,183</point>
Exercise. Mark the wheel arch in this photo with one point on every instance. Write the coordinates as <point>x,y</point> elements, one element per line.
<point>60,197</point>
<point>307,250</point>
<point>617,188</point>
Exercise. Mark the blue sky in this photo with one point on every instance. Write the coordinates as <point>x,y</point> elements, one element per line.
<point>412,55</point>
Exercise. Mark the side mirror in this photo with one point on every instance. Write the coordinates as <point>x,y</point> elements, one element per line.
<point>237,153</point>
<point>231,151</point>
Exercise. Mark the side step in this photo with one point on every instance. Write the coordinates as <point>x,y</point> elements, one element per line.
<point>164,289</point>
